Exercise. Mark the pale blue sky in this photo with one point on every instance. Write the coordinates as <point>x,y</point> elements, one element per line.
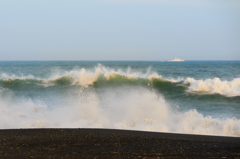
<point>119,29</point>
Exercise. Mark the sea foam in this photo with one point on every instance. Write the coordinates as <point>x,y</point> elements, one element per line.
<point>226,88</point>
<point>133,108</point>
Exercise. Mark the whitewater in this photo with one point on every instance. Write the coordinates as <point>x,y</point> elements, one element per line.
<point>193,97</point>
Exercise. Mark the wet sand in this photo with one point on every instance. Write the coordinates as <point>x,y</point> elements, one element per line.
<point>107,143</point>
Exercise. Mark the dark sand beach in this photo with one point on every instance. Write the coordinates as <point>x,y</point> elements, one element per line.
<point>107,143</point>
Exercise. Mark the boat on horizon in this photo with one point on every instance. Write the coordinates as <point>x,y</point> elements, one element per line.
<point>176,59</point>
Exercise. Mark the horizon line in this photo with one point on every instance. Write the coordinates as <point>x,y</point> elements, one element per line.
<point>106,60</point>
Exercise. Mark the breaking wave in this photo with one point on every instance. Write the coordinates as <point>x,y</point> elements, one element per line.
<point>103,76</point>
<point>126,108</point>
<point>85,78</point>
<point>215,86</point>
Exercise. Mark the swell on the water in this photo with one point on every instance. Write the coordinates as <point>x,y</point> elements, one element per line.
<point>101,75</point>
<point>134,108</point>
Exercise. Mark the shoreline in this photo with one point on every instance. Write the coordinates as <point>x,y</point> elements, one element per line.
<point>112,143</point>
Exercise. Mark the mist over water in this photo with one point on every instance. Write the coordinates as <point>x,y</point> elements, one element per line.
<point>152,96</point>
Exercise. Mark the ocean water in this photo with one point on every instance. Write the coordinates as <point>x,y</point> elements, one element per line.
<point>193,97</point>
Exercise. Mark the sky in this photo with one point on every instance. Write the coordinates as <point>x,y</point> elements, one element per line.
<point>153,30</point>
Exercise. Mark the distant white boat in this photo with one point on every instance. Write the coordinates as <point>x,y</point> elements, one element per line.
<point>176,59</point>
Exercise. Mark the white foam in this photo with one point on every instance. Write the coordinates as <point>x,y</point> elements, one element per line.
<point>227,88</point>
<point>123,108</point>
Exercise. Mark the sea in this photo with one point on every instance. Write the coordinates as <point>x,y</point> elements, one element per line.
<point>190,97</point>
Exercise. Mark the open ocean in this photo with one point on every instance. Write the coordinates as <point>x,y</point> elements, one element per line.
<point>193,97</point>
